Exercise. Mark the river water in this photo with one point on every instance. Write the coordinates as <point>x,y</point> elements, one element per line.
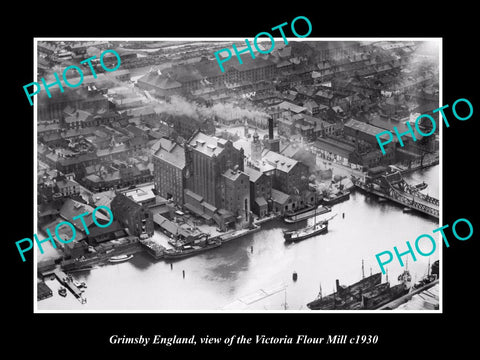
<point>262,260</point>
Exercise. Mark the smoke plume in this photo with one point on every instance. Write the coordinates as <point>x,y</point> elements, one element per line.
<point>180,106</point>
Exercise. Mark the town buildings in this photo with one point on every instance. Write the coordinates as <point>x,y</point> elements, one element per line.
<point>119,130</point>
<point>260,191</point>
<point>170,171</point>
<point>214,172</point>
<point>137,218</point>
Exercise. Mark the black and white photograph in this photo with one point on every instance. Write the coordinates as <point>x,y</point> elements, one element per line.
<point>283,179</point>
<point>266,180</point>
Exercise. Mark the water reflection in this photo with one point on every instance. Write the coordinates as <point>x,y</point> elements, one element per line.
<point>243,266</point>
<point>142,261</point>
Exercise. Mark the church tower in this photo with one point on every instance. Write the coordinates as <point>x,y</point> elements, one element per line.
<point>256,147</point>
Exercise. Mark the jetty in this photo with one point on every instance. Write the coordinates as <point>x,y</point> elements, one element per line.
<point>67,281</point>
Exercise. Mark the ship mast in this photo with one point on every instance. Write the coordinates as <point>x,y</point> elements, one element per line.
<point>363,272</point>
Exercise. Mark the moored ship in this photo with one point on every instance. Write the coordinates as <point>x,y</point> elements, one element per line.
<point>307,232</point>
<point>367,294</point>
<point>333,199</point>
<point>189,250</point>
<point>305,214</point>
<point>335,300</point>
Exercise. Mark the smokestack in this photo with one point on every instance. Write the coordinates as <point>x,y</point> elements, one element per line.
<point>270,128</point>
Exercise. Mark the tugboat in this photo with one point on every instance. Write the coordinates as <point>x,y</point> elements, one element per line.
<point>307,232</point>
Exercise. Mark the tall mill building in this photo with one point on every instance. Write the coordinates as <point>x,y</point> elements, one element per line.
<point>215,179</point>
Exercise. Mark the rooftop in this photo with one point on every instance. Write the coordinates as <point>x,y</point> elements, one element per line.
<point>232,174</point>
<point>208,145</point>
<point>279,197</point>
<point>334,146</point>
<point>291,107</point>
<point>247,63</point>
<point>173,154</point>
<point>72,208</point>
<point>365,128</point>
<point>139,195</point>
<point>159,81</point>
<point>278,161</point>
<point>252,173</point>
<point>163,143</point>
<point>124,204</point>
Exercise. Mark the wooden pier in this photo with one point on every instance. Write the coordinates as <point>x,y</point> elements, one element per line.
<point>64,280</point>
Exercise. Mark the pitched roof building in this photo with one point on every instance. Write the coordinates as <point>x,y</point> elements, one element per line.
<point>137,218</point>
<point>169,170</point>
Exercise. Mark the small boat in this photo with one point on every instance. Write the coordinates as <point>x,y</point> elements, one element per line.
<point>421,186</point>
<point>62,291</point>
<point>120,258</point>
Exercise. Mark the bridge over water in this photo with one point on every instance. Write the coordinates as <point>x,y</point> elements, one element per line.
<point>392,186</point>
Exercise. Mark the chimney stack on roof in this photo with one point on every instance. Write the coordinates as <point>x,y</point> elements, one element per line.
<point>270,128</point>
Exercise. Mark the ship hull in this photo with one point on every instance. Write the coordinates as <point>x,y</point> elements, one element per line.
<point>336,199</point>
<point>367,294</point>
<point>335,300</point>
<point>292,219</point>
<point>296,236</point>
<point>173,255</point>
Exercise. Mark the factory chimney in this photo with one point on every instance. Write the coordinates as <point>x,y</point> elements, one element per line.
<point>273,144</point>
<point>270,128</point>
